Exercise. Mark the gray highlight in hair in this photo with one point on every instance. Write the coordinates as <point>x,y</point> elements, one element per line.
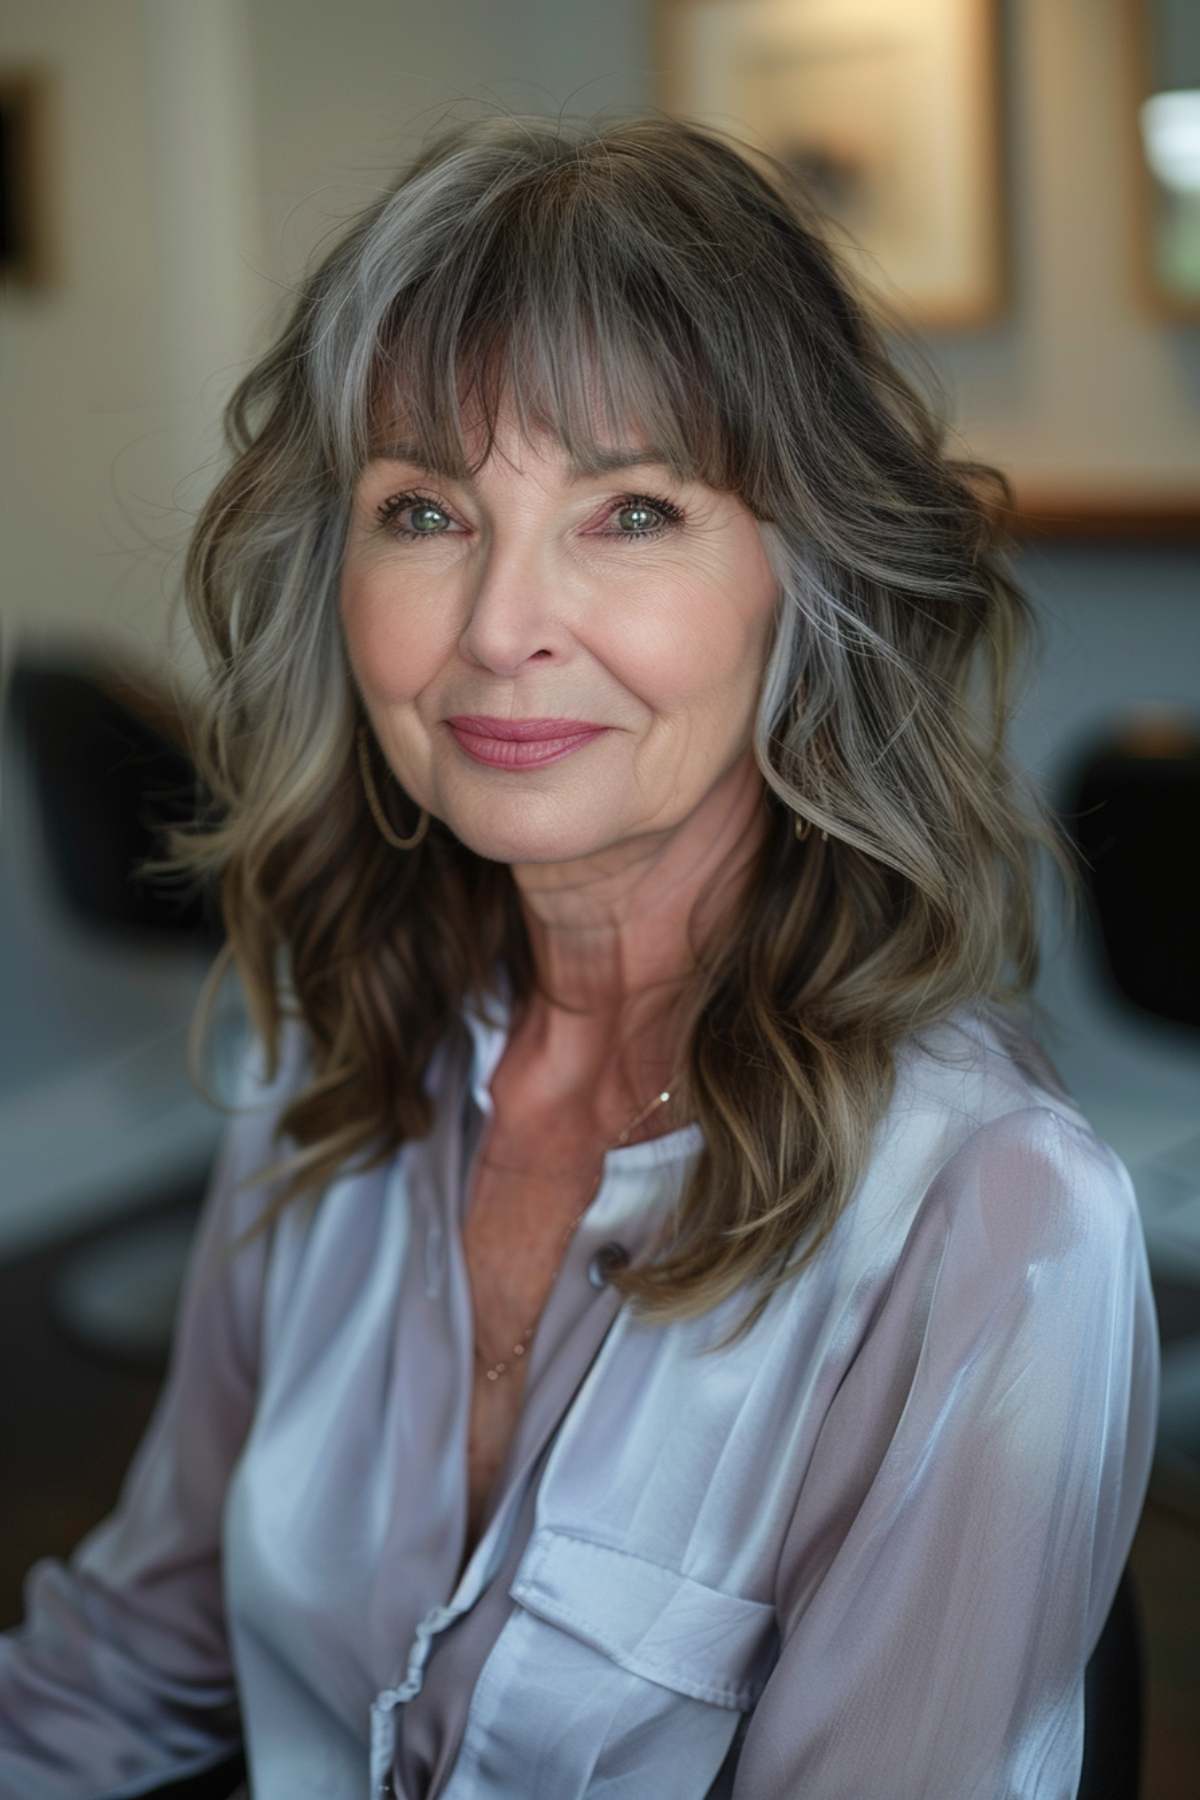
<point>643,274</point>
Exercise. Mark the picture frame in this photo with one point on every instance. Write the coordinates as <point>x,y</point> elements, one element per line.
<point>1162,57</point>
<point>26,259</point>
<point>909,173</point>
<point>1160,511</point>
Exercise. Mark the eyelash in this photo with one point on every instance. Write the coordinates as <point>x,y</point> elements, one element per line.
<point>386,512</point>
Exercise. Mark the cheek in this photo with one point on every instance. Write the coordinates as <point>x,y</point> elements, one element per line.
<point>392,644</point>
<point>701,644</point>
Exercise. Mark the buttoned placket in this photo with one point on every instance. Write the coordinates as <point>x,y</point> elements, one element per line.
<point>383,1707</point>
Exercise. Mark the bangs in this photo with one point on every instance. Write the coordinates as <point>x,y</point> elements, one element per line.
<point>602,391</point>
<point>550,310</point>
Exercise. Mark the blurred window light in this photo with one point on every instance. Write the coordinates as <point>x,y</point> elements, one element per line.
<point>1170,126</point>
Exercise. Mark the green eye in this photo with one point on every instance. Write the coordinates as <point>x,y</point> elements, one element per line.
<point>662,516</point>
<point>419,506</point>
<point>651,517</point>
<point>637,511</point>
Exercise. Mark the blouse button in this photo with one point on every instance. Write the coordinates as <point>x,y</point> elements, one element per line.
<point>608,1257</point>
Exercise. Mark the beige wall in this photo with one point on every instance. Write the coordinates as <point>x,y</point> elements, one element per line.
<point>112,377</point>
<point>81,365</point>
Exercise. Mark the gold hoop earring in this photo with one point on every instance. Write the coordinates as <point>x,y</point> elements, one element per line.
<point>364,763</point>
<point>802,827</point>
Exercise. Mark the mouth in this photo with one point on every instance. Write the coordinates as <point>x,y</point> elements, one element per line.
<point>521,731</point>
<point>518,753</point>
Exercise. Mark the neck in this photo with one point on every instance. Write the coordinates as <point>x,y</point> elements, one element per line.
<point>612,936</point>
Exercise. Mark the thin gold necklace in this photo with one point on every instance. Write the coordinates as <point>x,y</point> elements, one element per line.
<point>519,1348</point>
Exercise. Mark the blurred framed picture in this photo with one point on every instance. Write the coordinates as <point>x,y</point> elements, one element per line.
<point>892,116</point>
<point>1163,39</point>
<point>24,178</point>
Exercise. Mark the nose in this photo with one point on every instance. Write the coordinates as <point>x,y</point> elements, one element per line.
<point>515,606</point>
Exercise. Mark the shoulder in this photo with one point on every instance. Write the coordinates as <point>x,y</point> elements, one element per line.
<point>981,1137</point>
<point>1016,1244</point>
<point>1034,1185</point>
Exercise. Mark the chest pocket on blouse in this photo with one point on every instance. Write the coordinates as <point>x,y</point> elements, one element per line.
<point>613,1675</point>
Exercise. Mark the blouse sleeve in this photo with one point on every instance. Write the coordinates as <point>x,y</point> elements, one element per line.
<point>119,1675</point>
<point>946,1576</point>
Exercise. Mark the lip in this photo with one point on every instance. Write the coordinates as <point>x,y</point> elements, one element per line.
<point>511,753</point>
<point>521,731</point>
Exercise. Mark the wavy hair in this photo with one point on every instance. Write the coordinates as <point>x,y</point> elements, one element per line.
<point>647,269</point>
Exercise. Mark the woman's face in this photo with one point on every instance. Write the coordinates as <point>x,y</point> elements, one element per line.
<point>625,599</point>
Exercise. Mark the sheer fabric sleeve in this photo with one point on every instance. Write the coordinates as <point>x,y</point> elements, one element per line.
<point>947,1574</point>
<point>119,1677</point>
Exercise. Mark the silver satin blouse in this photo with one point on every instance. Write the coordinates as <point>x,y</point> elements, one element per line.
<point>863,1555</point>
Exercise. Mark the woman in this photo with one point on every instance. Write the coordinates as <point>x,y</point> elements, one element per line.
<point>695,1345</point>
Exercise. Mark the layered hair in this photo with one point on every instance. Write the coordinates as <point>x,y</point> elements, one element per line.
<point>589,275</point>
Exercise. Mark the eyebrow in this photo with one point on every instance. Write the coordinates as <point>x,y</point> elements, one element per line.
<point>601,462</point>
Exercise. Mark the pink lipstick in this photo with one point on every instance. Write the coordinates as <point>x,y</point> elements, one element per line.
<point>488,725</point>
<point>524,752</point>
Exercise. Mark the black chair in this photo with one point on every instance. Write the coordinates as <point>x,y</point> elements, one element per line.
<point>1128,800</point>
<point>1113,1702</point>
<point>109,772</point>
<point>1123,800</point>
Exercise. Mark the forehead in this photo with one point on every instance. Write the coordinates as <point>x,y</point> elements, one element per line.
<point>589,461</point>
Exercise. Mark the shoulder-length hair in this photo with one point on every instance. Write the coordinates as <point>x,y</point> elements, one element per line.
<point>590,274</point>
